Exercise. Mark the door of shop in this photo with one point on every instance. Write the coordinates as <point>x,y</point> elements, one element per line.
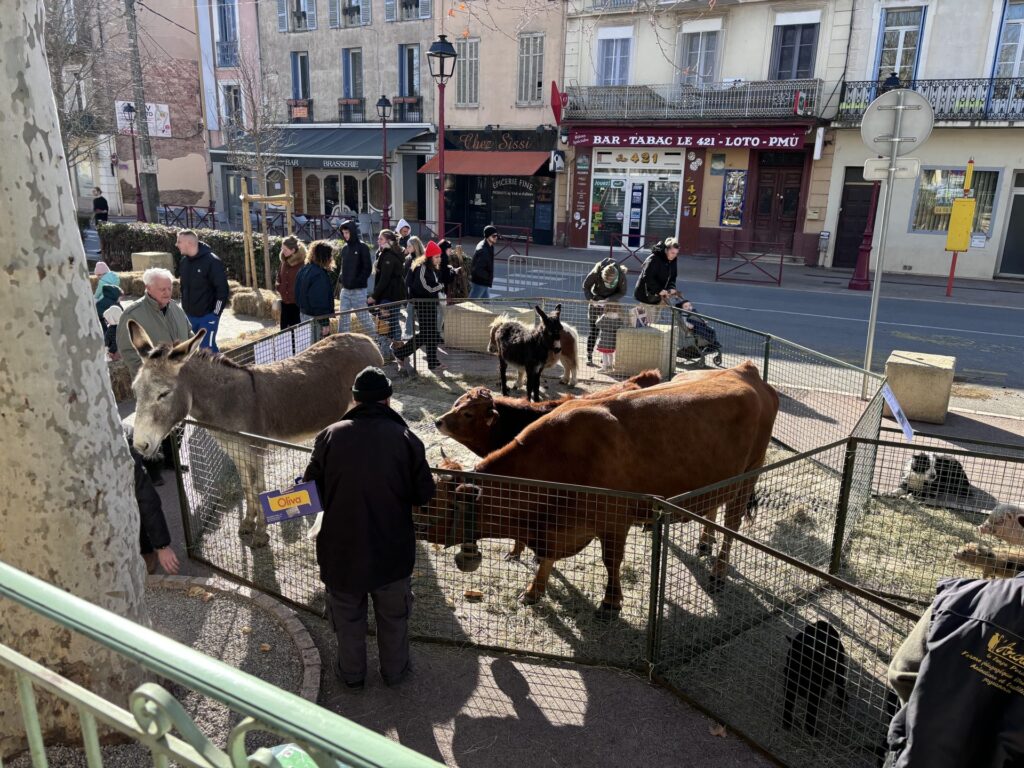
<point>1012,261</point>
<point>778,198</point>
<point>853,217</point>
<point>636,207</point>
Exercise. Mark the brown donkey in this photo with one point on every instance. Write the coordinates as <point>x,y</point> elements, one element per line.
<point>289,400</point>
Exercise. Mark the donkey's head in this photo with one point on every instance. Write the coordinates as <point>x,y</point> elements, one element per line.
<point>159,402</point>
<point>551,327</point>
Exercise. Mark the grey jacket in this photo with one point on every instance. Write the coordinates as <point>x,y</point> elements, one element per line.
<point>169,325</point>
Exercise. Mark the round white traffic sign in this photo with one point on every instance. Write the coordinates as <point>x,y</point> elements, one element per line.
<point>876,127</point>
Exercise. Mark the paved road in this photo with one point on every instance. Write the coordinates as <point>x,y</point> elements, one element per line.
<point>987,341</point>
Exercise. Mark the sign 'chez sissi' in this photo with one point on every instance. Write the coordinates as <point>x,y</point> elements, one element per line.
<point>783,137</point>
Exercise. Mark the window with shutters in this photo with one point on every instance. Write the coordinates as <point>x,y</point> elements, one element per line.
<point>407,10</point>
<point>467,73</point>
<point>352,72</point>
<point>300,75</point>
<point>350,13</point>
<point>296,15</point>
<point>231,106</point>
<point>531,69</point>
<point>409,70</point>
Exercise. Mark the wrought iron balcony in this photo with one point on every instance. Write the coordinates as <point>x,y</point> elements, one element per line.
<point>743,99</point>
<point>352,110</point>
<point>408,109</point>
<point>603,5</point>
<point>227,53</point>
<point>966,100</point>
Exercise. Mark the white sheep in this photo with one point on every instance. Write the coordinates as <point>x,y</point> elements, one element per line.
<point>1006,522</point>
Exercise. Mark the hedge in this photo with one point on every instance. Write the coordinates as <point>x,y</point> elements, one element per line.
<point>119,241</point>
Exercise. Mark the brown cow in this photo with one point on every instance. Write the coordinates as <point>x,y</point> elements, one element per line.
<point>484,422</point>
<point>629,442</point>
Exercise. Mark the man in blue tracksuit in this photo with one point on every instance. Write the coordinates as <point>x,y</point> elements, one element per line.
<point>960,676</point>
<point>204,286</point>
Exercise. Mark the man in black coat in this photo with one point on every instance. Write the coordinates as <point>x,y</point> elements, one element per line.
<point>481,273</point>
<point>355,265</point>
<point>204,286</point>
<point>370,470</point>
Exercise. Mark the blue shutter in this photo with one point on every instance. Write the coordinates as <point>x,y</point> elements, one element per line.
<point>310,14</point>
<point>424,9</point>
<point>389,10</point>
<point>296,92</point>
<point>364,12</point>
<point>282,15</point>
<point>414,90</point>
<point>334,13</point>
<point>346,73</point>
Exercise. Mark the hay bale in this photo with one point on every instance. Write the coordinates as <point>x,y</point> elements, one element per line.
<point>640,349</point>
<point>120,380</point>
<point>246,337</point>
<point>254,302</point>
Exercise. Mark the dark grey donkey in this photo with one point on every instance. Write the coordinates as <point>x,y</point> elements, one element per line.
<point>527,348</point>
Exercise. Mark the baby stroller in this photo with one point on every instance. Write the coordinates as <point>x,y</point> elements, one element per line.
<point>697,340</point>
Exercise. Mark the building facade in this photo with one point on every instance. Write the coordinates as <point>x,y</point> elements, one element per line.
<point>967,60</point>
<point>325,64</point>
<point>501,136</point>
<point>702,123</point>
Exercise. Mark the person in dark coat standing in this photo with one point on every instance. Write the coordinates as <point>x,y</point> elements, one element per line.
<point>605,282</point>
<point>370,470</point>
<point>154,537</point>
<point>313,291</point>
<point>425,286</point>
<point>481,274</point>
<point>293,254</point>
<point>388,284</point>
<point>356,267</point>
<point>100,206</point>
<point>204,286</point>
<point>657,281</point>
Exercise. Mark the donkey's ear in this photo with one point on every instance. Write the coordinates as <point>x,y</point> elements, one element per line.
<point>182,351</point>
<point>139,338</point>
<point>540,312</point>
<point>558,311</point>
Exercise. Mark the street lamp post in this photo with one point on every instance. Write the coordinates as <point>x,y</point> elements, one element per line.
<point>140,211</point>
<point>384,112</point>
<point>441,58</point>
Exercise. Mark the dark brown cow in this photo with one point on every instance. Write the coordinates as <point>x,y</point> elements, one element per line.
<point>665,440</point>
<point>484,422</point>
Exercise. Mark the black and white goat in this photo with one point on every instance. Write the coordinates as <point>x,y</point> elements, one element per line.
<point>927,475</point>
<point>527,348</point>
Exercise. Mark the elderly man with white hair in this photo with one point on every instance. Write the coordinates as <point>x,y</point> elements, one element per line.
<point>160,317</point>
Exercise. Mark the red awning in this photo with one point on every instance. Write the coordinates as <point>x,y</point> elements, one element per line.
<point>463,163</point>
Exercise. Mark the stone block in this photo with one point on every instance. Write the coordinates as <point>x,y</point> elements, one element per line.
<point>640,349</point>
<point>143,260</point>
<point>468,325</point>
<point>922,384</point>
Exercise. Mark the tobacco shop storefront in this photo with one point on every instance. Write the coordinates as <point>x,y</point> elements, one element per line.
<point>502,178</point>
<point>642,185</point>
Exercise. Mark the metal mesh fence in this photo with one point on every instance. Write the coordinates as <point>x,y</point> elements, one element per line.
<point>928,499</point>
<point>782,652</point>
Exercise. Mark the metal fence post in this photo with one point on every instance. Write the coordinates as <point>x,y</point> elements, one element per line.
<point>767,355</point>
<point>654,606</point>
<point>673,316</point>
<point>179,477</point>
<point>843,506</point>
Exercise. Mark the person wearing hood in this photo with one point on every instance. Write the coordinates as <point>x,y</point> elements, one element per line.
<point>388,286</point>
<point>481,273</point>
<point>404,231</point>
<point>425,287</point>
<point>657,281</point>
<point>370,470</point>
<point>204,286</point>
<point>606,282</point>
<point>293,255</point>
<point>355,265</point>
<point>104,276</point>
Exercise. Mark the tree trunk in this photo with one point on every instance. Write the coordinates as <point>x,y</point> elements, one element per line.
<point>69,514</point>
<point>268,278</point>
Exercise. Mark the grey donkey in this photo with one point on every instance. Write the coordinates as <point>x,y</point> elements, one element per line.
<point>290,400</point>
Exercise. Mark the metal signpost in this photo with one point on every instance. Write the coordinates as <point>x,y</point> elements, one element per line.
<point>897,121</point>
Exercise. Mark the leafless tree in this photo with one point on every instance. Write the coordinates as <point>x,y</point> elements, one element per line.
<point>253,134</point>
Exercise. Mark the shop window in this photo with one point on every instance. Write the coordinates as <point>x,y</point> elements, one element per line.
<point>531,70</point>
<point>936,190</point>
<point>467,73</point>
<point>313,206</point>
<point>898,48</point>
<point>793,51</point>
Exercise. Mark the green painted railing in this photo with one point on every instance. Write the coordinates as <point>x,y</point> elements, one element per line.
<point>157,720</point>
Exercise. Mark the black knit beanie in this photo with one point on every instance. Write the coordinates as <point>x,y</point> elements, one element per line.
<point>371,386</point>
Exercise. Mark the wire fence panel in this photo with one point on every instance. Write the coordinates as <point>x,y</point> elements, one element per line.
<point>922,523</point>
<point>780,652</point>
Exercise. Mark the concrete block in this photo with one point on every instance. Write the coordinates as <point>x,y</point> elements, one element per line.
<point>922,384</point>
<point>640,349</point>
<point>143,260</point>
<point>467,325</point>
